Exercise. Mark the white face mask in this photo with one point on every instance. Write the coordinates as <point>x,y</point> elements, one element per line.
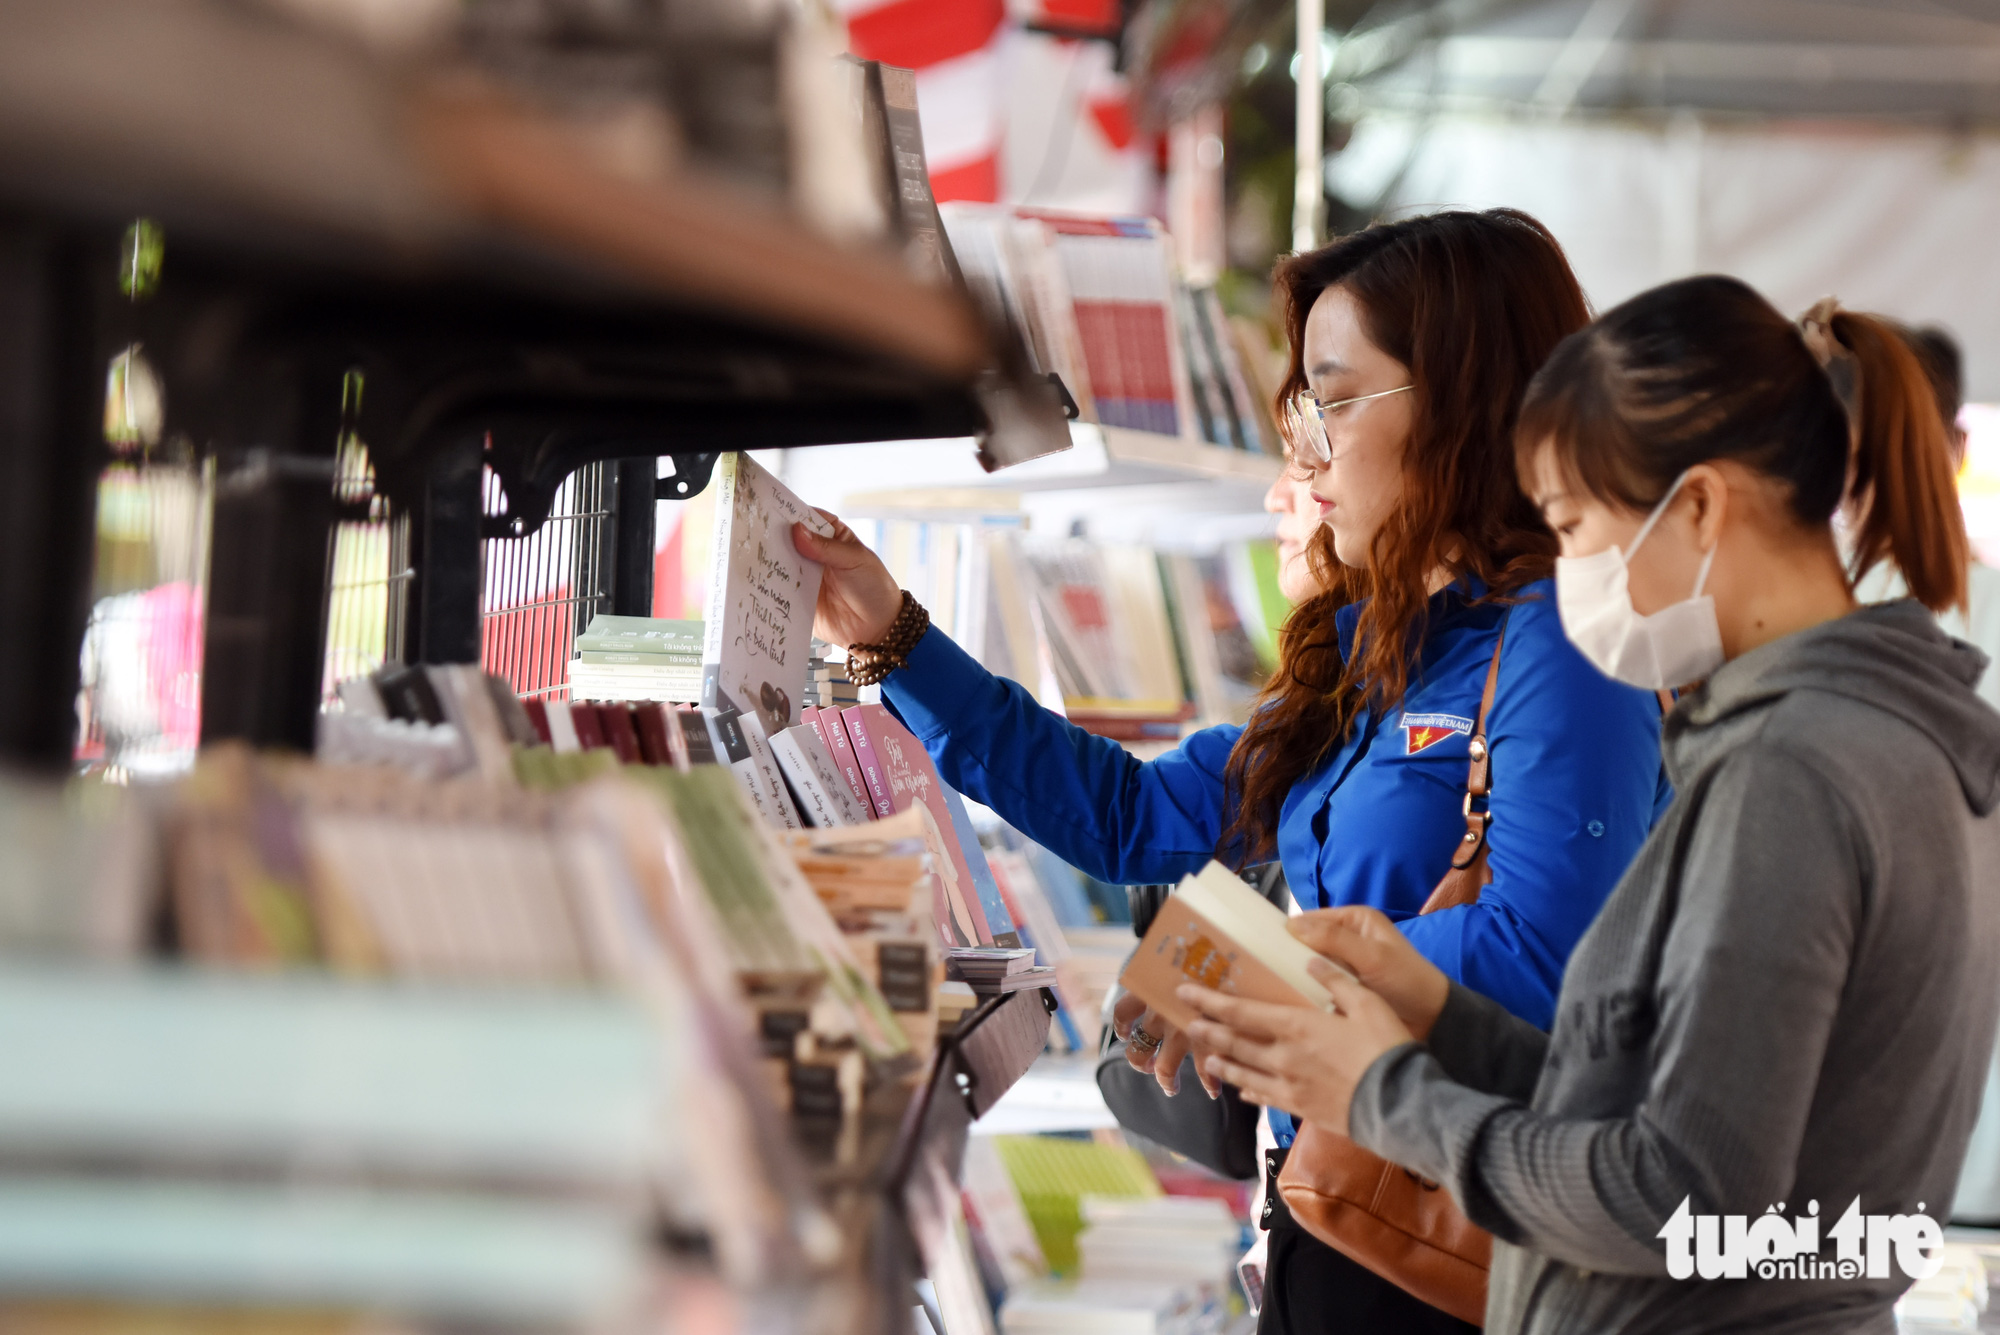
<point>1678,644</point>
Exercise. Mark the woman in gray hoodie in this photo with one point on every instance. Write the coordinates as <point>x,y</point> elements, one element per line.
<point>1781,1017</point>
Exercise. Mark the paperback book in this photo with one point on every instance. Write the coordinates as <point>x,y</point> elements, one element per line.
<point>758,635</point>
<point>1216,931</point>
<point>906,778</point>
<point>822,792</point>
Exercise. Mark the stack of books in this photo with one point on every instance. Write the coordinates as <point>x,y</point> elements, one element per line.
<point>993,969</point>
<point>637,658</point>
<point>827,686</point>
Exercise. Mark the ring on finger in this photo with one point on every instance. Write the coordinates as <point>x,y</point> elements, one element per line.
<point>1142,1040</point>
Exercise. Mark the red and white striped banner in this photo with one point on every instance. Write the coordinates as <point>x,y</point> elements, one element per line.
<point>1013,107</point>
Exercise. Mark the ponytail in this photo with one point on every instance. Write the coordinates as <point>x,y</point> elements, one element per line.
<point>1902,466</point>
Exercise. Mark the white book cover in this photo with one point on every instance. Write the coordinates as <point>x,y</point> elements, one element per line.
<point>768,775</point>
<point>754,766</point>
<point>761,598</point>
<point>815,804</point>
<point>802,751</point>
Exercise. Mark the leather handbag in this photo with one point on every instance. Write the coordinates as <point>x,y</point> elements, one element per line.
<point>1220,1133</point>
<point>1402,1226</point>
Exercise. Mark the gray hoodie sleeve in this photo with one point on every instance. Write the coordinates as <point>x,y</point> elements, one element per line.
<point>1481,1044</point>
<point>1750,979</point>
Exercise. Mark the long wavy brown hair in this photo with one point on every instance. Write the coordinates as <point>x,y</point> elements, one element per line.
<point>1472,304</point>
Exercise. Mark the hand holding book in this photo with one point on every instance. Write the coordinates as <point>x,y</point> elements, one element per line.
<point>858,597</point>
<point>1301,1059</point>
<point>1368,945</point>
<point>1307,1060</point>
<point>1163,1060</point>
<point>1269,1003</point>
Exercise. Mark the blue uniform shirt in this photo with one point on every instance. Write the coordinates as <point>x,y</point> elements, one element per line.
<point>1576,782</point>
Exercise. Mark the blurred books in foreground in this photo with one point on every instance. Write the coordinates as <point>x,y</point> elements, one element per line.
<point>1077,1236</point>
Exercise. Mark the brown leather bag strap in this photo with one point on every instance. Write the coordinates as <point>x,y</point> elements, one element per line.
<point>1478,778</point>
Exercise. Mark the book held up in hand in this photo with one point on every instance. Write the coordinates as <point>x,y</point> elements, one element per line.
<point>758,633</point>
<point>1216,931</point>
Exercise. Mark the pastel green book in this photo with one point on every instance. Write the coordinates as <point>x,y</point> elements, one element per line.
<point>616,634</point>
<point>1053,1176</point>
<point>687,658</point>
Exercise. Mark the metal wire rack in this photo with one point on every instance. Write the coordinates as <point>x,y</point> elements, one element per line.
<point>537,592</point>
<point>139,709</point>
<point>368,576</point>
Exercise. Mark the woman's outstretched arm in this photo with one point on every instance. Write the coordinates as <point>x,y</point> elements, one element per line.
<point>1084,797</point>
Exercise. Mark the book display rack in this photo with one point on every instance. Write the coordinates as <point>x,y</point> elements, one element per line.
<point>669,1008</point>
<point>283,242</point>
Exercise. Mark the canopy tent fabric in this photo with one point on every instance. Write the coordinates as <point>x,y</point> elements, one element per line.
<point>1807,146</point>
<point>1874,58</point>
<point>1897,221</point>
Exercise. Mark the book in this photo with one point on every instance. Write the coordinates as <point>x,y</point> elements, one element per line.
<point>620,733</point>
<point>462,692</point>
<point>841,747</point>
<point>689,735</point>
<point>1216,931</point>
<point>762,595</point>
<point>511,712</point>
<point>600,684</point>
<point>589,727</point>
<point>892,130</point>
<point>802,754</point>
<point>1020,981</point>
<point>689,657</point>
<point>992,905</point>
<point>815,804</point>
<point>742,747</point>
<point>655,748</point>
<point>538,719</point>
<point>651,635</point>
<point>864,870</point>
<point>910,780</point>
<point>977,963</point>
<point>615,672</point>
<point>1117,272</point>
<point>359,696</point>
<point>407,694</point>
<point>562,726</point>
<point>865,760</point>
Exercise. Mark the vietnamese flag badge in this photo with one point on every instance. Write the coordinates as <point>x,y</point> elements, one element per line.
<point>1423,731</point>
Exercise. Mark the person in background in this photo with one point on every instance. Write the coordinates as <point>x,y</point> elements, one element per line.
<point>1977,1200</point>
<point>1788,1002</point>
<point>1978,622</point>
<point>1301,573</point>
<point>1411,344</point>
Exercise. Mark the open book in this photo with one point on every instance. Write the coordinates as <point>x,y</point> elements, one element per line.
<point>1218,932</point>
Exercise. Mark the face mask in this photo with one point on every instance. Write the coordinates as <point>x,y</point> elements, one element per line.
<point>1678,644</point>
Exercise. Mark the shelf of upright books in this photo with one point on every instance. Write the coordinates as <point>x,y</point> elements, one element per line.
<point>674,992</point>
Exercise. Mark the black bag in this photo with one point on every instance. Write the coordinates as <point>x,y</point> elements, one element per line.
<point>1220,1133</point>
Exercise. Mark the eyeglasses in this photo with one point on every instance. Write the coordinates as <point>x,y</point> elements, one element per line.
<point>1305,423</point>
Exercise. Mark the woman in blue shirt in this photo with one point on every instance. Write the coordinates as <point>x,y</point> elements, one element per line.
<point>1411,345</point>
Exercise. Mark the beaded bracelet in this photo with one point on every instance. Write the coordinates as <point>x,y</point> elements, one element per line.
<point>868,664</point>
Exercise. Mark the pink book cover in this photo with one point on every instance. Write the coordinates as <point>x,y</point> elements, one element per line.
<point>833,731</point>
<point>908,774</point>
<point>876,790</point>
